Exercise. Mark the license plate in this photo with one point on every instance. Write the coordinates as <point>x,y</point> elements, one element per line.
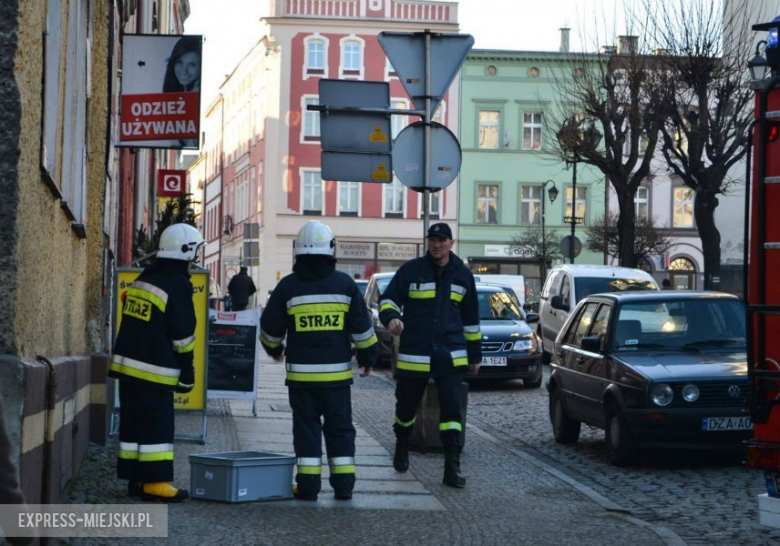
<point>714,424</point>
<point>494,361</point>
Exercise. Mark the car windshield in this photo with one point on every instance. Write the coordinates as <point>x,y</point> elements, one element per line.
<point>497,305</point>
<point>691,324</point>
<point>362,286</point>
<point>382,282</point>
<point>586,286</point>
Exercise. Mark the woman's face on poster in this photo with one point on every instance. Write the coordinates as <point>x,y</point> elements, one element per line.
<point>187,68</point>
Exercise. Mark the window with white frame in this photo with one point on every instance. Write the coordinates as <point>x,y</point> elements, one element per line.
<point>580,205</point>
<point>532,130</point>
<point>242,202</point>
<point>351,57</point>
<point>487,203</point>
<point>316,51</point>
<point>438,115</point>
<point>530,205</point>
<point>394,199</point>
<point>683,207</point>
<point>52,103</point>
<point>434,204</point>
<point>311,120</point>
<point>397,123</point>
<point>642,203</point>
<point>312,192</point>
<point>349,198</point>
<point>489,121</point>
<point>389,70</point>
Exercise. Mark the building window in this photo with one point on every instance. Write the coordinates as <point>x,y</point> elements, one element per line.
<point>397,123</point>
<point>532,130</point>
<point>641,203</point>
<point>349,198</point>
<point>580,204</point>
<point>316,57</point>
<point>530,205</point>
<point>438,115</point>
<point>434,203</point>
<point>683,208</point>
<point>311,120</point>
<point>487,204</point>
<point>312,192</point>
<point>488,129</point>
<point>394,199</point>
<point>351,57</point>
<point>389,70</point>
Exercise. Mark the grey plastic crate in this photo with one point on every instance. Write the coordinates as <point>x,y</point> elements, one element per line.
<point>241,476</point>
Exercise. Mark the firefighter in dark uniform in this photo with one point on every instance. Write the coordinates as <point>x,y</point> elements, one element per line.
<point>440,338</point>
<point>152,358</point>
<point>321,311</point>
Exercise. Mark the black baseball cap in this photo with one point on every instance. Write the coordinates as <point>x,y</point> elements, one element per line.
<point>440,230</point>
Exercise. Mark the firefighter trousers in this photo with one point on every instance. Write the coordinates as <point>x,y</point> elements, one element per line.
<point>146,428</point>
<point>328,411</point>
<point>408,394</point>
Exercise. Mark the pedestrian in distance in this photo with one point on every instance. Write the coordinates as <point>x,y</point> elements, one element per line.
<point>321,312</point>
<point>153,358</point>
<point>240,287</point>
<point>666,285</point>
<point>440,338</point>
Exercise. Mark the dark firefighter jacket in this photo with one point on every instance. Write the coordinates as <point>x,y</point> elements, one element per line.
<point>320,310</point>
<point>156,337</point>
<point>440,316</point>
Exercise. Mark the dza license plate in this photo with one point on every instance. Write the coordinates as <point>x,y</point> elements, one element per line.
<point>714,424</point>
<point>494,361</point>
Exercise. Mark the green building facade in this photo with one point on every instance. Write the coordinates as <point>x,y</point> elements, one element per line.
<point>508,154</point>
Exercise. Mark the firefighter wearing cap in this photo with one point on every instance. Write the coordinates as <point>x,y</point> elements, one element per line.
<point>152,359</point>
<point>432,304</point>
<point>321,312</point>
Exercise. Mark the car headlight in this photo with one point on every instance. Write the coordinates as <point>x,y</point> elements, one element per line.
<point>661,394</point>
<point>526,344</point>
<point>690,393</point>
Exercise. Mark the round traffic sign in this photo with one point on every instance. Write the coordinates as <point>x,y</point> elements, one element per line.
<point>566,246</point>
<point>409,159</point>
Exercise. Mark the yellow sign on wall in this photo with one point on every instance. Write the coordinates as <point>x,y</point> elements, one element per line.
<point>196,398</point>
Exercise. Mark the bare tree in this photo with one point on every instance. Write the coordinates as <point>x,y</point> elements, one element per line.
<point>703,106</point>
<point>530,242</point>
<point>607,93</point>
<point>649,240</point>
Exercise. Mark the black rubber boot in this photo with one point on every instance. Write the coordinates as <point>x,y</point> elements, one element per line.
<point>401,457</point>
<point>452,475</point>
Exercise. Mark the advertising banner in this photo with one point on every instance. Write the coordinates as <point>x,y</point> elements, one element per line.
<point>160,96</point>
<point>234,350</point>
<point>171,183</point>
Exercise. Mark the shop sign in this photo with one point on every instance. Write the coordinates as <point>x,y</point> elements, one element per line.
<point>397,252</point>
<point>354,251</point>
<point>508,251</point>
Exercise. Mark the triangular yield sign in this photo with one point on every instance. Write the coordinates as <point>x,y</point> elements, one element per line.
<point>406,52</point>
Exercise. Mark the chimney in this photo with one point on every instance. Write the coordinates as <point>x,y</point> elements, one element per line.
<point>564,40</point>
<point>627,45</point>
<point>608,50</point>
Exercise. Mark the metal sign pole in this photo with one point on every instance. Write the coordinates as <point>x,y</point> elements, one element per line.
<point>427,141</point>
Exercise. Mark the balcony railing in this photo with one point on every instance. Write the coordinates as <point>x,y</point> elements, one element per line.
<point>388,10</point>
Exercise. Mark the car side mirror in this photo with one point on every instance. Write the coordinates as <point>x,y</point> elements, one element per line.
<point>557,303</point>
<point>591,344</point>
<point>530,318</point>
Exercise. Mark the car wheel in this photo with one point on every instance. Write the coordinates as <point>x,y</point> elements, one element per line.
<point>565,429</point>
<point>621,445</point>
<point>546,357</point>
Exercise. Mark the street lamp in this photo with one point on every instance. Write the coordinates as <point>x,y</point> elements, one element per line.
<point>553,194</point>
<point>757,65</point>
<point>576,137</point>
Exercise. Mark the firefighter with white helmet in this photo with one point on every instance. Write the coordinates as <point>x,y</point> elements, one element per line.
<point>153,358</point>
<point>320,312</point>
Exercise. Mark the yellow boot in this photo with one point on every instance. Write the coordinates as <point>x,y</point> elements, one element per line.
<point>163,491</point>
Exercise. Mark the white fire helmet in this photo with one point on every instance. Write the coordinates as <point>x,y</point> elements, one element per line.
<point>180,242</point>
<point>315,238</point>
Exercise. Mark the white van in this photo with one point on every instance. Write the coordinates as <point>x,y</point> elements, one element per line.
<point>568,283</point>
<point>515,282</point>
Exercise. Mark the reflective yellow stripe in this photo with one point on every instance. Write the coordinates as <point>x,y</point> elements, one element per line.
<point>343,469</point>
<point>313,470</point>
<point>186,349</point>
<point>452,425</point>
<point>146,376</point>
<point>472,337</point>
<point>156,456</point>
<point>412,367</point>
<point>131,455</point>
<point>145,294</point>
<point>388,305</point>
<point>323,377</point>
<point>318,308</point>
<point>463,361</point>
<point>367,343</point>
<point>456,297</point>
<point>407,423</point>
<point>270,344</point>
<point>422,294</point>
